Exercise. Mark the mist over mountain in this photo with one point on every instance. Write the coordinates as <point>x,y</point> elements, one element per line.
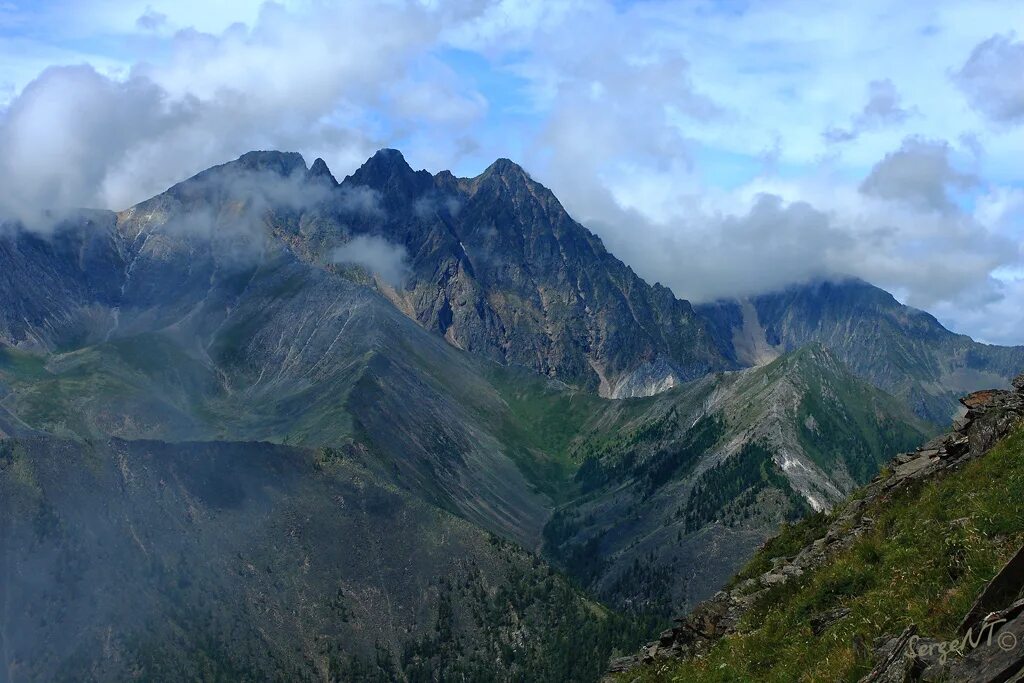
<point>511,341</point>
<point>442,427</point>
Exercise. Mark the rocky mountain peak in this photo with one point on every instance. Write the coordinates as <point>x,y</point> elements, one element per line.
<point>506,168</point>
<point>505,176</point>
<point>388,172</point>
<point>282,163</point>
<point>319,172</point>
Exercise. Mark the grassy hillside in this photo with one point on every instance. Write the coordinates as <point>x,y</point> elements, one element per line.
<point>932,548</point>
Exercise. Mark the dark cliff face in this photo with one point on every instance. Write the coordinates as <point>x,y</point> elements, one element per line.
<point>899,349</point>
<point>500,269</point>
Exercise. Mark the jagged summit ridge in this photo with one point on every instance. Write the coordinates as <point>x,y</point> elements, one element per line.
<point>506,168</point>
<point>389,173</point>
<point>282,163</point>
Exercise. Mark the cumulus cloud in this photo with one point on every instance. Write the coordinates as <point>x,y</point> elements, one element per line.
<point>66,133</point>
<point>884,108</point>
<point>909,236</point>
<point>920,172</point>
<point>385,259</point>
<point>313,79</point>
<point>991,79</point>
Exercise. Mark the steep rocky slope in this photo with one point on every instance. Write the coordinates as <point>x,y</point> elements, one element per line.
<point>916,577</point>
<point>899,349</point>
<point>499,268</point>
<point>199,345</point>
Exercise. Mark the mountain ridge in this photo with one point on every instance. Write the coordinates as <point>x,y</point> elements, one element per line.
<point>902,350</point>
<point>506,294</point>
<point>511,373</point>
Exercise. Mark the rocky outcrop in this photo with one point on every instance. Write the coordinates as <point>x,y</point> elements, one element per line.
<point>989,416</point>
<point>989,646</point>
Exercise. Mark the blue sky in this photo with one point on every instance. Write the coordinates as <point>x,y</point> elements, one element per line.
<point>721,148</point>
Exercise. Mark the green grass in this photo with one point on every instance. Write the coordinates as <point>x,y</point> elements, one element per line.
<point>931,551</point>
<point>16,364</point>
<point>543,426</point>
<point>855,427</point>
<point>546,418</point>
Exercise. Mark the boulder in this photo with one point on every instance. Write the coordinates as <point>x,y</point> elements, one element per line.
<point>980,399</point>
<point>1004,588</point>
<point>1000,654</point>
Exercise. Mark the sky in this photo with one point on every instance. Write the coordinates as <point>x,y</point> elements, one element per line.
<point>723,148</point>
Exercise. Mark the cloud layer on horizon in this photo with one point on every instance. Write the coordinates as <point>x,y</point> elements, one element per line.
<point>720,149</point>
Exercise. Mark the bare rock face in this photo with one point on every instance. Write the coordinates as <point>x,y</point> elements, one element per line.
<point>901,658</point>
<point>499,268</point>
<point>1000,654</point>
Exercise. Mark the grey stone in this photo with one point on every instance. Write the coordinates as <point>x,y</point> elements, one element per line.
<point>821,622</point>
<point>1004,588</point>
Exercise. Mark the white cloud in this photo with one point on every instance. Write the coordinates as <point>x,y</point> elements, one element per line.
<point>387,260</point>
<point>315,79</point>
<point>62,136</point>
<point>992,79</point>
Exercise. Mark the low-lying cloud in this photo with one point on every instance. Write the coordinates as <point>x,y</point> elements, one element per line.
<point>377,255</point>
<point>67,135</point>
<point>901,227</point>
<point>225,210</point>
<point>311,79</point>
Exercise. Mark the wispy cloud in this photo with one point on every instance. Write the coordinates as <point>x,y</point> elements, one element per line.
<point>388,261</point>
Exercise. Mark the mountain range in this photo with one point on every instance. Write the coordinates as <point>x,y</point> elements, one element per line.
<point>409,423</point>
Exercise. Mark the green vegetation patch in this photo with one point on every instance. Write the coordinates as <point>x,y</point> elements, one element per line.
<point>734,484</point>
<point>932,549</point>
